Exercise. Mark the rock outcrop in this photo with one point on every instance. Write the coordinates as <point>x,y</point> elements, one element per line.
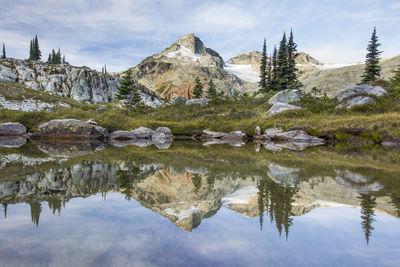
<point>172,72</point>
<point>358,95</point>
<point>69,129</point>
<point>79,83</point>
<point>297,136</point>
<point>12,128</point>
<point>279,108</point>
<point>286,96</point>
<point>198,101</point>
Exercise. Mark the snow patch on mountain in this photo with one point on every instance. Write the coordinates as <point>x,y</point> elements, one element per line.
<point>244,72</point>
<point>184,52</point>
<point>241,196</point>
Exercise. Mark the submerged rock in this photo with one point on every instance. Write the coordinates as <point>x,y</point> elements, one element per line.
<point>12,128</point>
<point>69,129</point>
<point>286,96</point>
<point>280,107</point>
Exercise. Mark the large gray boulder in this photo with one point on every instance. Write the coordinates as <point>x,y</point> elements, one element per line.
<point>12,128</point>
<point>69,129</point>
<point>162,135</point>
<point>363,89</point>
<point>280,107</point>
<point>198,101</point>
<point>299,136</point>
<point>354,101</point>
<point>286,96</point>
<point>140,133</point>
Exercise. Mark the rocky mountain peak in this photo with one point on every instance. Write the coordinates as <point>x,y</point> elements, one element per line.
<point>193,43</point>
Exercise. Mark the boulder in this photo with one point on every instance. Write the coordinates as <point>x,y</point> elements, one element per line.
<point>354,101</point>
<point>12,128</point>
<point>198,101</point>
<point>162,135</point>
<point>280,107</point>
<point>69,129</point>
<point>179,100</point>
<point>235,136</point>
<point>296,136</point>
<point>363,89</point>
<point>257,132</point>
<point>286,96</point>
<point>210,135</point>
<point>140,133</point>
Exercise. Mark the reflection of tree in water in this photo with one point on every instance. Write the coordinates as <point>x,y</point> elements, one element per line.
<point>55,204</point>
<point>127,179</point>
<point>368,203</point>
<point>277,201</point>
<point>36,209</point>
<point>5,209</point>
<point>196,180</point>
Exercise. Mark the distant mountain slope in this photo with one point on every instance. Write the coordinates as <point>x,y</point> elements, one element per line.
<point>330,78</point>
<point>173,71</point>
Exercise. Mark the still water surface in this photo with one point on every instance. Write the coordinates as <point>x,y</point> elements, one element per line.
<point>195,205</point>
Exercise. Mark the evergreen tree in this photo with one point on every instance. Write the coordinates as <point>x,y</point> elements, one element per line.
<point>127,91</point>
<point>50,59</point>
<point>263,69</point>
<point>274,59</point>
<point>372,69</point>
<point>282,65</point>
<point>396,79</point>
<point>105,68</point>
<point>37,55</point>
<point>31,50</point>
<point>292,80</point>
<point>198,88</point>
<point>4,51</point>
<point>211,90</point>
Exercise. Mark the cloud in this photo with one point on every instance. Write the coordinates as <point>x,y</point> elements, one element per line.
<point>122,33</point>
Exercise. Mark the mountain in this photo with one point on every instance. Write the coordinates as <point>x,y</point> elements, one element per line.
<point>330,78</point>
<point>79,83</point>
<point>172,72</point>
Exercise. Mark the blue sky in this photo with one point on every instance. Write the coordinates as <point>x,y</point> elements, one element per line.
<point>121,33</point>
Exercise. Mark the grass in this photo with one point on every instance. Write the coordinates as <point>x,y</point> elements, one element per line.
<point>368,123</point>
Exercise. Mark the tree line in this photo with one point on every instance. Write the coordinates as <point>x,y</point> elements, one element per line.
<point>278,71</point>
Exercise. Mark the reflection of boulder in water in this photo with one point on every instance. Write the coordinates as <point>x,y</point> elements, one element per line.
<point>293,146</point>
<point>357,181</point>
<point>69,148</point>
<point>282,175</point>
<point>127,142</point>
<point>163,145</point>
<point>12,141</point>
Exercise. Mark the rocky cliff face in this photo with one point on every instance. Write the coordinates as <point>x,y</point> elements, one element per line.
<point>78,83</point>
<point>172,72</point>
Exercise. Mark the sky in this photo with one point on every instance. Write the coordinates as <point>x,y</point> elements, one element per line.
<point>121,33</point>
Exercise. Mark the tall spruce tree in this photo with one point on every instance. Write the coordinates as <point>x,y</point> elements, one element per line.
<point>211,90</point>
<point>31,50</point>
<point>368,203</point>
<point>263,69</point>
<point>372,69</point>
<point>292,80</point>
<point>36,49</point>
<point>282,65</point>
<point>3,55</point>
<point>198,88</point>
<point>127,91</point>
<point>274,84</point>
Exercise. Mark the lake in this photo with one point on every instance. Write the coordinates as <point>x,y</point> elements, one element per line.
<point>91,204</point>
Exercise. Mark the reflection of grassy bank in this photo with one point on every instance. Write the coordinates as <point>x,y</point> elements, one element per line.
<point>371,122</point>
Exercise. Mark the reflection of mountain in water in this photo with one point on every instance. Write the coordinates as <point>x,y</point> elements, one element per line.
<point>187,192</point>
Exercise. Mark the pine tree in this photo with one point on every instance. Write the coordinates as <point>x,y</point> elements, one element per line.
<point>198,88</point>
<point>396,79</point>
<point>31,50</point>
<point>127,90</point>
<point>274,85</point>
<point>63,60</point>
<point>37,55</point>
<point>282,65</point>
<point>105,68</point>
<point>372,69</point>
<point>211,90</point>
<point>292,80</point>
<point>50,59</point>
<point>263,69</point>
<point>4,51</point>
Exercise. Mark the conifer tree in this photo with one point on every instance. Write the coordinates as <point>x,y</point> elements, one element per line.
<point>211,90</point>
<point>282,65</point>
<point>127,91</point>
<point>36,50</point>
<point>372,69</point>
<point>263,69</point>
<point>4,51</point>
<point>63,60</point>
<point>274,70</point>
<point>396,79</point>
<point>198,88</point>
<point>50,59</point>
<point>292,80</point>
<point>31,51</point>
